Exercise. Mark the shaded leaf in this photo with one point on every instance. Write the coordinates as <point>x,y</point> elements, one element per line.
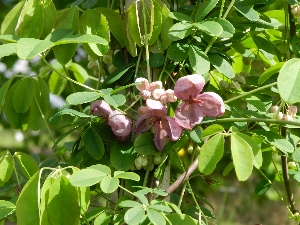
<point>288,81</point>
<point>211,153</point>
<point>242,156</point>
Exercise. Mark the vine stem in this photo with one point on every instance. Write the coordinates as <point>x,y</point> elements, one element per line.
<point>191,190</point>
<point>286,179</point>
<point>44,119</point>
<point>127,190</point>
<point>146,43</point>
<point>257,120</point>
<point>228,9</point>
<point>250,92</point>
<point>212,41</point>
<point>68,78</point>
<point>270,182</point>
<point>72,86</point>
<point>147,171</point>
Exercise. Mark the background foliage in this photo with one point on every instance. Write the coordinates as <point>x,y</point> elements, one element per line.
<point>66,164</point>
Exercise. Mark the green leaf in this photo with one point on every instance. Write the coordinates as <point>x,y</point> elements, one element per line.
<point>156,60</point>
<point>255,148</point>
<point>93,22</point>
<point>270,72</point>
<point>23,95</point>
<point>180,219</point>
<point>211,130</point>
<point>205,8</point>
<point>109,184</point>
<point>115,100</point>
<point>129,204</point>
<point>56,82</point>
<point>27,164</point>
<point>264,185</point>
<point>195,134</point>
<point>102,168</point>
<point>178,52</point>
<point>127,175</point>
<point>79,72</point>
<point>29,23</point>
<point>62,206</point>
<point>180,16</point>
<point>44,200</point>
<point>122,155</point>
<point>81,38</point>
<point>93,144</point>
<point>221,65</point>
<point>128,41</point>
<point>167,23</point>
<point>6,166</point>
<point>58,116</point>
<point>8,49</point>
<point>3,91</point>
<point>228,168</point>
<point>28,48</point>
<point>179,31</point>
<point>228,28</point>
<point>27,205</point>
<point>133,24</point>
<point>82,97</point>
<point>242,156</point>
<point>144,144</point>
<point>256,102</point>
<point>84,199</point>
<point>114,23</point>
<point>11,19</point>
<point>134,216</point>
<point>155,217</point>
<point>102,219</point>
<point>16,120</point>
<point>288,81</point>
<point>211,153</point>
<point>43,97</point>
<point>210,27</point>
<point>156,17</point>
<point>86,177</point>
<point>199,60</point>
<point>6,208</point>
<point>49,17</point>
<point>264,46</point>
<point>296,155</point>
<point>68,19</point>
<point>277,140</point>
<point>116,75</point>
<point>248,12</point>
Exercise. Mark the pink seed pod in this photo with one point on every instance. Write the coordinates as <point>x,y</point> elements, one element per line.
<point>120,124</point>
<point>273,109</point>
<point>287,117</point>
<point>142,84</point>
<point>292,111</point>
<point>100,108</point>
<point>280,116</point>
<point>189,86</point>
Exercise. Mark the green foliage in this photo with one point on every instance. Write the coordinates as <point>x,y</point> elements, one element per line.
<point>247,53</point>
<point>211,153</point>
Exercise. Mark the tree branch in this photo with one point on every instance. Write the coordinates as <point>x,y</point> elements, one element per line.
<point>183,177</point>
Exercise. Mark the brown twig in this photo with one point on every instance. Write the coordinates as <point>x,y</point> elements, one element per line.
<point>183,177</point>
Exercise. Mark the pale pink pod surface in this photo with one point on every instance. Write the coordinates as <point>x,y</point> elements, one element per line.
<point>142,84</point>
<point>100,108</point>
<point>212,104</point>
<point>120,124</point>
<point>189,86</point>
<point>188,115</point>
